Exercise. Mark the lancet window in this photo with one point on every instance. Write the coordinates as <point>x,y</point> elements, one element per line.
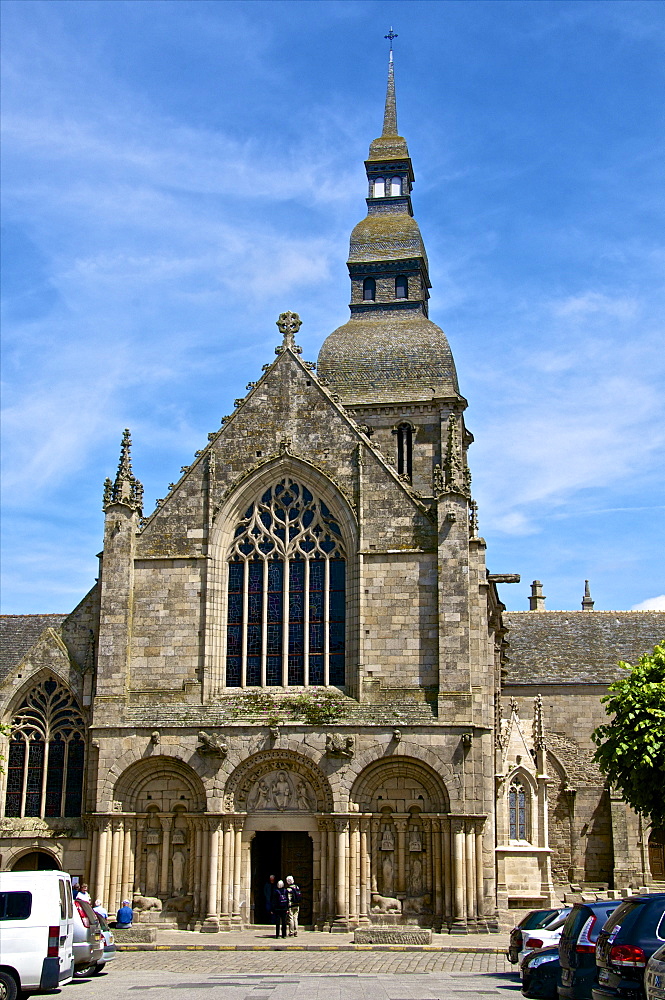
<point>286,592</point>
<point>404,433</point>
<point>518,810</point>
<point>46,754</point>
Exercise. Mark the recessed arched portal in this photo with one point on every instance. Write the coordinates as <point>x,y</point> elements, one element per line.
<point>36,861</point>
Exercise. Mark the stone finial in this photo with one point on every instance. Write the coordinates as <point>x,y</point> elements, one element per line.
<point>288,324</point>
<point>126,489</point>
<point>473,519</point>
<point>587,602</point>
<point>538,724</point>
<point>537,599</point>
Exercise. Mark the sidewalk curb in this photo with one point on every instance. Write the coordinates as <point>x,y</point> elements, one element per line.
<point>363,948</point>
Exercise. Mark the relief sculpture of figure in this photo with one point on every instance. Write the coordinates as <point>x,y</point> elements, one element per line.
<point>281,790</point>
<point>259,797</point>
<point>416,877</point>
<point>387,871</point>
<point>303,798</point>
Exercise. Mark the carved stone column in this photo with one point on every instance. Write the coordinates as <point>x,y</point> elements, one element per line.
<point>480,880</point>
<point>365,873</point>
<point>342,880</point>
<point>116,842</point>
<point>470,853</point>
<point>401,825</point>
<point>332,851</point>
<point>227,854</point>
<point>237,869</point>
<point>100,867</point>
<point>459,878</point>
<point>92,865</point>
<point>320,904</point>
<point>211,924</point>
<point>138,856</point>
<point>198,859</point>
<point>354,863</point>
<point>127,861</point>
<point>437,901</point>
<point>375,825</point>
<point>166,856</point>
<point>447,866</point>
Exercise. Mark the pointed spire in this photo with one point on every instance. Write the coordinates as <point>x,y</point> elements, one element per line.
<point>587,602</point>
<point>126,489</point>
<point>390,113</point>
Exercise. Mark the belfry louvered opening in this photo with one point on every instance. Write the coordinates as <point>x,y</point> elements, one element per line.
<point>286,592</point>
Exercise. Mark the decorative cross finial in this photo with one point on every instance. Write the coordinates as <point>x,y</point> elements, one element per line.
<point>391,34</point>
<point>288,324</point>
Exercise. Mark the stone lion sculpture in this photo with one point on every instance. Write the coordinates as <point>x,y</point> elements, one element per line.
<point>385,904</point>
<point>146,903</point>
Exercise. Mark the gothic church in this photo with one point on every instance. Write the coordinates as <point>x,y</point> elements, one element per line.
<point>299,661</point>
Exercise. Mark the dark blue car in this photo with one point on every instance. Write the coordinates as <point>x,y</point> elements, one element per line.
<point>629,938</point>
<point>577,947</point>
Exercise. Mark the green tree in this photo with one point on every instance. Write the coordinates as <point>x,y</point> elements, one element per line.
<point>631,748</point>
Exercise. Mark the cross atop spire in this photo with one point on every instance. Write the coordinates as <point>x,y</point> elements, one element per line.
<point>390,114</point>
<point>391,34</point>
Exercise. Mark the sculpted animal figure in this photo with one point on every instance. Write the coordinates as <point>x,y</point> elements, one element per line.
<point>179,904</point>
<point>418,904</point>
<point>385,904</point>
<point>146,903</point>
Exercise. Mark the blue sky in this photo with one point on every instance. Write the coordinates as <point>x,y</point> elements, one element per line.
<point>176,174</point>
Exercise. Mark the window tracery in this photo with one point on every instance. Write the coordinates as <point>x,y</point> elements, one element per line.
<point>518,811</point>
<point>46,754</point>
<point>286,592</point>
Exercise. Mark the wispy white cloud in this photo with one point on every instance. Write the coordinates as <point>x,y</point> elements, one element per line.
<point>651,604</point>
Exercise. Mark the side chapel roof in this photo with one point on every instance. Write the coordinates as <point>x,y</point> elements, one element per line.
<point>18,634</point>
<point>577,647</point>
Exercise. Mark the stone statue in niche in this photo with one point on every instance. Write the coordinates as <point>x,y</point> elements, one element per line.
<point>416,878</point>
<point>211,746</point>
<point>340,746</point>
<point>415,843</point>
<point>387,841</point>
<point>178,866</point>
<point>152,868</point>
<point>387,872</point>
<point>281,790</point>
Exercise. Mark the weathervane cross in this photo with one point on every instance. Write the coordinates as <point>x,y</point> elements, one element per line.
<point>391,34</point>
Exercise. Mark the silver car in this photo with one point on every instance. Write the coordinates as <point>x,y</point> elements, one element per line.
<point>88,940</point>
<point>109,943</point>
<point>654,977</point>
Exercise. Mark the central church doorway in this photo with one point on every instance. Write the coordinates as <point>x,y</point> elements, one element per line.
<point>282,853</point>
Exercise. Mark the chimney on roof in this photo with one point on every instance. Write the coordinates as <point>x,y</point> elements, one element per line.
<point>536,601</point>
<point>587,603</point>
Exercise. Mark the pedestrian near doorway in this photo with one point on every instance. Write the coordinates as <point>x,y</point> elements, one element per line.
<point>280,908</point>
<point>294,896</point>
<point>83,892</point>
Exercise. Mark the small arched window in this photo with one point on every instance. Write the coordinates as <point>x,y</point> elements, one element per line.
<point>396,186</point>
<point>369,290</point>
<point>46,754</point>
<point>404,449</point>
<point>518,808</point>
<point>401,287</point>
<point>379,187</point>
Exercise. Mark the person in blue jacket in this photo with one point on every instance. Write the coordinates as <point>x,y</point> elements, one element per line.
<point>280,908</point>
<point>125,915</point>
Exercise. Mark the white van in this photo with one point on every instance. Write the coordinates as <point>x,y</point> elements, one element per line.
<point>36,931</point>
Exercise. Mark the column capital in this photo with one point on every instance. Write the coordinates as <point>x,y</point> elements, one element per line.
<point>401,823</point>
<point>341,824</point>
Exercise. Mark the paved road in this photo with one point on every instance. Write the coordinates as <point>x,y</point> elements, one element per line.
<point>300,976</point>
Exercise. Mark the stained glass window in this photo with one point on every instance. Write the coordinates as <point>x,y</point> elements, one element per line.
<point>46,754</point>
<point>286,616</point>
<point>518,809</point>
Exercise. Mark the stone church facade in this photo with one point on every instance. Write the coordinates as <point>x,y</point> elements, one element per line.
<point>299,663</point>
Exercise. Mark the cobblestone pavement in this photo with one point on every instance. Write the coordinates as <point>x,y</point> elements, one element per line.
<point>300,976</point>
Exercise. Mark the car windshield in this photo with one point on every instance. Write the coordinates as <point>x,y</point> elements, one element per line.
<point>537,918</point>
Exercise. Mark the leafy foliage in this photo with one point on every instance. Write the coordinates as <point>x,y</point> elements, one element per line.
<point>313,706</point>
<point>631,748</point>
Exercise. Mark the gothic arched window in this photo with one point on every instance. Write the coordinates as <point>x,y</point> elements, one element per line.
<point>518,810</point>
<point>286,592</point>
<point>379,187</point>
<point>369,289</point>
<point>401,287</point>
<point>404,434</point>
<point>46,754</point>
<point>396,186</point>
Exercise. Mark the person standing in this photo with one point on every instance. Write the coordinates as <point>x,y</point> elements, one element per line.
<point>280,908</point>
<point>294,895</point>
<point>83,892</point>
<point>267,893</point>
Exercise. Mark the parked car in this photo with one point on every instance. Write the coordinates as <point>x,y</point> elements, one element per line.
<point>36,932</point>
<point>109,944</point>
<point>540,973</point>
<point>533,920</point>
<point>88,939</point>
<point>543,937</point>
<point>654,978</point>
<point>577,947</point>
<point>630,936</point>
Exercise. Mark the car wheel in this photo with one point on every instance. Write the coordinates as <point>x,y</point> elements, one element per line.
<point>8,987</point>
<point>99,968</point>
<point>84,971</point>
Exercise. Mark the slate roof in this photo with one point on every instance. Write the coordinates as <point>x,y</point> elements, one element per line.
<point>18,633</point>
<point>577,647</point>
